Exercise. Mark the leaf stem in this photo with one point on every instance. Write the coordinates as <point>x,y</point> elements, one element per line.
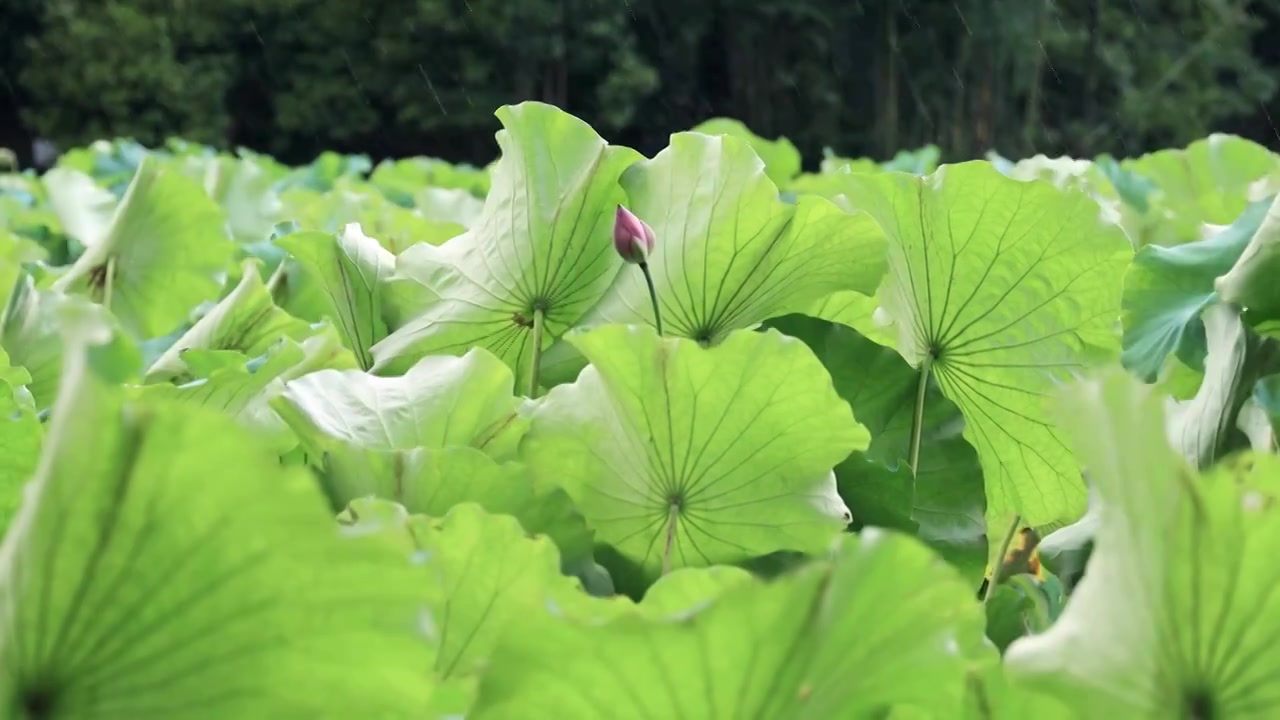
<point>653,297</point>
<point>673,515</point>
<point>108,281</point>
<point>999,566</point>
<point>538,319</point>
<point>917,420</point>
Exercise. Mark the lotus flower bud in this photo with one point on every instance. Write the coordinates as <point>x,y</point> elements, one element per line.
<point>632,238</point>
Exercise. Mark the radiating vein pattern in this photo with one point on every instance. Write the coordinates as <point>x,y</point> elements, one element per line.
<point>543,243</point>
<point>208,582</point>
<point>1006,288</point>
<point>706,455</point>
<point>729,252</point>
<point>1176,614</point>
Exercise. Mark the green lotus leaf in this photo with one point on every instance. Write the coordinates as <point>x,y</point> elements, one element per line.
<point>729,252</point>
<point>493,574</point>
<point>243,387</point>
<point>683,456</point>
<point>1174,616</point>
<point>400,180</point>
<point>17,378</point>
<point>999,289</point>
<point>857,311</point>
<point>1251,282</point>
<point>993,695</point>
<point>30,334</point>
<point>543,246</point>
<point>487,576</point>
<point>1091,178</point>
<point>15,251</point>
<point>451,205</point>
<point>20,438</point>
<point>943,501</point>
<point>443,400</point>
<point>166,252</point>
<point>84,209</point>
<point>246,321</point>
<point>1166,289</point>
<point>686,591</point>
<point>781,159</point>
<point>1201,428</point>
<point>245,191</point>
<point>431,481</point>
<point>164,564</point>
<point>1210,181</point>
<point>883,624</point>
<point>351,268</point>
<point>395,228</point>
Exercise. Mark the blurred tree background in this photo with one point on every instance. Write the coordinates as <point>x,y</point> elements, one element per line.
<point>865,77</point>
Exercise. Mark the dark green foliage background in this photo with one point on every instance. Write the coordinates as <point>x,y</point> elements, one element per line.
<point>867,77</point>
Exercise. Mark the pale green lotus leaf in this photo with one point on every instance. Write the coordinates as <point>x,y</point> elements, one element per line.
<point>20,438</point>
<point>1251,282</point>
<point>443,400</point>
<point>1210,181</point>
<point>245,191</point>
<point>781,159</point>
<point>84,209</point>
<point>166,252</point>
<point>396,228</point>
<point>351,268</point>
<point>431,481</point>
<point>544,244</point>
<point>243,387</point>
<point>686,591</point>
<point>164,564</point>
<point>246,321</point>
<point>487,577</point>
<point>452,205</point>
<point>1200,428</point>
<point>30,333</point>
<point>729,252</point>
<point>493,574</point>
<point>882,625</point>
<point>15,251</point>
<point>683,456</point>
<point>1175,616</point>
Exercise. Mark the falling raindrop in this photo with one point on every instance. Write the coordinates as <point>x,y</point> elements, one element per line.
<point>1267,114</point>
<point>432,88</point>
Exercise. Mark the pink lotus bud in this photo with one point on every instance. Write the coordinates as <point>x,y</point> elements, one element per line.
<point>632,238</point>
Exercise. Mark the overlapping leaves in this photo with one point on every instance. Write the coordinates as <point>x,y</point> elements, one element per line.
<point>881,625</point>
<point>542,246</point>
<point>164,564</point>
<point>165,252</point>
<point>1000,289</point>
<point>730,252</point>
<point>1175,615</point>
